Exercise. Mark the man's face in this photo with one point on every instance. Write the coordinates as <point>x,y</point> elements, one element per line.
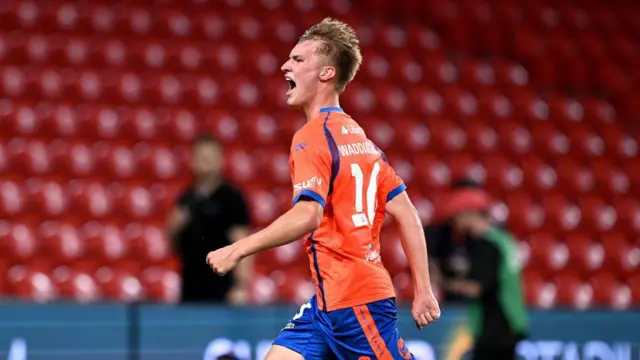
<point>463,221</point>
<point>206,160</point>
<point>302,71</point>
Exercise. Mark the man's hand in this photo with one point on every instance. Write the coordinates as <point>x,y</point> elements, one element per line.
<point>425,309</point>
<point>223,260</point>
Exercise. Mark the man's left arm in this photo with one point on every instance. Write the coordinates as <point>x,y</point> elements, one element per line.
<point>311,177</point>
<point>240,229</point>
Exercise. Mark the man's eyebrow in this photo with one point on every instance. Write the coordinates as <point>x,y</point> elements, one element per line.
<point>296,57</point>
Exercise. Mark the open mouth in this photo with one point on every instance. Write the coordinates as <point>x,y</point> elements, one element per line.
<point>292,84</point>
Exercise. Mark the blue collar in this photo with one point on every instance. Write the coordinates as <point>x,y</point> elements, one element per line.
<point>333,108</point>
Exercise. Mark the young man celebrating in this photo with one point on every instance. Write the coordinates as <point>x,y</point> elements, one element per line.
<point>343,187</point>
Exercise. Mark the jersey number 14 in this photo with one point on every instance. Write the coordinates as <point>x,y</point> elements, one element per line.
<point>360,218</point>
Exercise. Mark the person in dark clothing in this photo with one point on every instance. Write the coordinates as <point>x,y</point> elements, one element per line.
<point>498,317</point>
<point>448,256</point>
<point>209,215</point>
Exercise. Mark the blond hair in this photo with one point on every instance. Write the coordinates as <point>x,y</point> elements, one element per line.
<point>340,44</point>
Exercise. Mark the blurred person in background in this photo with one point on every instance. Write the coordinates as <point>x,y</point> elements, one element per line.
<point>210,214</point>
<point>448,257</point>
<point>498,317</point>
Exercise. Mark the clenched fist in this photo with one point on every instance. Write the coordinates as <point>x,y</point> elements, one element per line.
<point>425,309</point>
<point>223,260</point>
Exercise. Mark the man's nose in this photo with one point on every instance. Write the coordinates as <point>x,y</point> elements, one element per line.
<point>285,67</point>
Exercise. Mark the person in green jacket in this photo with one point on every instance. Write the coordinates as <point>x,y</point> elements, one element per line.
<point>498,317</point>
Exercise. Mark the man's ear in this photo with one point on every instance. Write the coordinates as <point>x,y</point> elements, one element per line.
<point>327,73</point>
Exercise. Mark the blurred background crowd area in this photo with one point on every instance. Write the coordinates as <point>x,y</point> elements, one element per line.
<point>101,100</point>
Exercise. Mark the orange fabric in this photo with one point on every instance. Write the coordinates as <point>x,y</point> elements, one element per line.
<point>372,333</point>
<point>345,249</point>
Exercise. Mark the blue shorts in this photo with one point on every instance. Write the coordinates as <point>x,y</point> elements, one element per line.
<point>365,332</point>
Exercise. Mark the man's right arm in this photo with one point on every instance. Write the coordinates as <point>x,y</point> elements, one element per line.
<point>177,220</point>
<point>413,240</point>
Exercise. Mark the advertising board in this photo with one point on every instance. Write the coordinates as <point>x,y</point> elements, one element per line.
<point>149,332</point>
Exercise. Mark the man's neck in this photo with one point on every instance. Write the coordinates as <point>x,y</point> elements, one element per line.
<point>320,102</point>
<point>206,187</point>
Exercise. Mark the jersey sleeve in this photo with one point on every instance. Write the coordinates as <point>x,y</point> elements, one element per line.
<point>391,184</point>
<point>310,170</point>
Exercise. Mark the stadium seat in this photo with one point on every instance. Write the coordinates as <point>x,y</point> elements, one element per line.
<point>161,285</point>
<point>32,284</point>
<point>610,292</point>
<point>77,285</point>
<point>573,291</point>
<point>120,284</point>
<point>20,244</point>
<point>63,242</point>
<point>148,243</point>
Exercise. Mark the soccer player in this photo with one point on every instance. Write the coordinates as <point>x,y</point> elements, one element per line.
<point>343,187</point>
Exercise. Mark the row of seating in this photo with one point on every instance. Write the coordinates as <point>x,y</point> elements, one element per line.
<point>158,284</point>
<point>21,159</point>
<point>137,245</point>
<point>197,18</point>
<point>405,93</point>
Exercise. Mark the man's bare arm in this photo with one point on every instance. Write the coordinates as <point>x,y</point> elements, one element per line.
<point>177,220</point>
<point>302,219</point>
<point>242,274</point>
<point>413,240</point>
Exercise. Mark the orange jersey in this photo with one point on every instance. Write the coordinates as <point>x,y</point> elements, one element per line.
<point>334,163</point>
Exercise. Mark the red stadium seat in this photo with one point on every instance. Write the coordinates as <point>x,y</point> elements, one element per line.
<point>161,285</point>
<point>561,213</point>
<point>573,292</point>
<point>77,285</point>
<point>182,126</point>
<point>585,255</point>
<point>148,242</point>
<point>548,255</point>
<point>156,162</point>
<point>133,202</point>
<point>294,287</point>
<point>120,285</point>
<point>63,242</point>
<point>19,242</point>
<point>12,200</point>
<point>115,162</point>
<point>32,284</point>
<point>106,242</point>
<point>538,293</point>
<point>92,198</point>
<point>263,290</point>
<point>610,292</point>
<point>72,160</point>
<point>33,156</point>
<point>47,198</point>
<point>263,206</point>
<point>621,254</point>
<point>432,172</point>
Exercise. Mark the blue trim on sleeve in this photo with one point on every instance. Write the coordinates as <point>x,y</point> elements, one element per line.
<point>311,194</point>
<point>395,192</point>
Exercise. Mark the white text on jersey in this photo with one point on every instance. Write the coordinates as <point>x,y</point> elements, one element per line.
<point>364,147</point>
<point>308,184</point>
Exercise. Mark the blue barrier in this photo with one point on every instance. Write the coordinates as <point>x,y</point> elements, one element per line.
<point>146,332</point>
